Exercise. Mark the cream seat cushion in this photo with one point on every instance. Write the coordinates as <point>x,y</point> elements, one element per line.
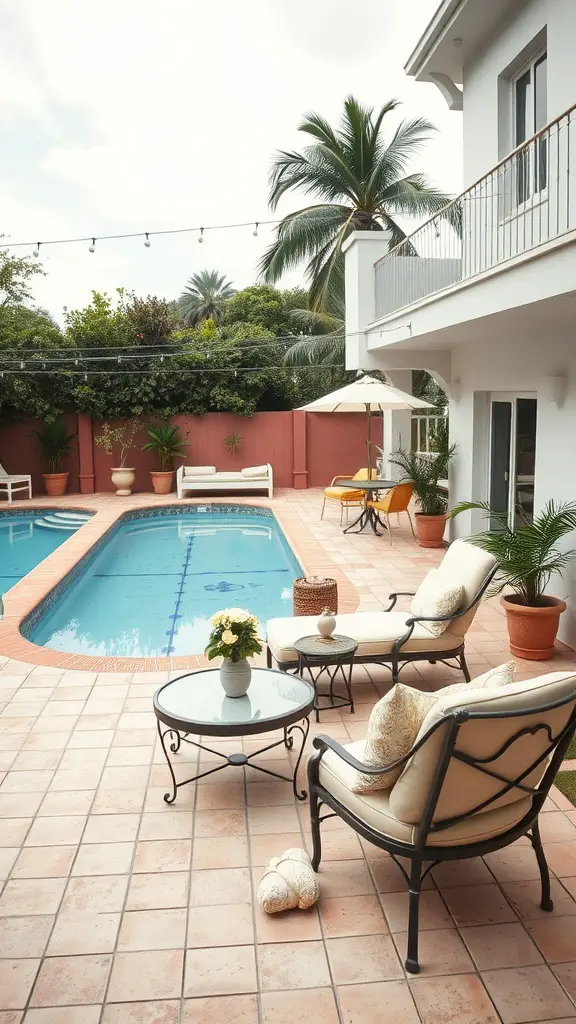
<point>255,471</point>
<point>376,809</point>
<point>437,595</point>
<point>375,632</point>
<point>199,470</point>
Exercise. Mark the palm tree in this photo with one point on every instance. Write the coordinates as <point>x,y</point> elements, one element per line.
<point>322,339</point>
<point>204,297</point>
<point>361,184</point>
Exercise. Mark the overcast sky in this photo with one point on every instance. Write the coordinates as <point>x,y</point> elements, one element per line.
<point>132,115</point>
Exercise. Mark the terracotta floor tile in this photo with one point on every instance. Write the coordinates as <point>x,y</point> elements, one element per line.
<point>221,852</point>
<point>525,899</point>
<point>289,926</point>
<point>102,893</point>
<point>461,872</point>
<point>103,858</point>
<point>224,970</point>
<point>13,830</point>
<point>16,980</point>
<point>219,823</point>
<point>555,937</point>
<point>220,796</point>
<point>268,820</point>
<point>44,862</point>
<point>64,1015</point>
<point>24,936</point>
<point>387,874</point>
<point>561,859</point>
<point>345,878</point>
<point>566,973</point>
<point>478,904</point>
<point>363,958</point>
<point>263,848</point>
<point>27,782</point>
<point>527,994</point>
<point>111,828</point>
<point>167,825</point>
<point>163,855</point>
<point>152,929</point>
<point>19,805</point>
<point>71,980</point>
<point>352,915</point>
<point>163,1012</point>
<point>501,945</point>
<point>118,801</point>
<point>293,965</point>
<point>459,999</point>
<point>83,932</point>
<point>71,804</point>
<point>156,974</point>
<point>222,886</point>
<point>217,1009</point>
<point>31,896</point>
<point>440,952</point>
<point>385,1002</point>
<point>433,913</point>
<point>56,831</point>
<point>220,926</point>
<point>158,891</point>
<point>319,1006</point>
<point>515,863</point>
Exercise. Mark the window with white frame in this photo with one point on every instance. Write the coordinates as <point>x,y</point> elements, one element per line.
<point>530,114</point>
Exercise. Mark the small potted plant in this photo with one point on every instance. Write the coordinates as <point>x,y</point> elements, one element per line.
<point>425,470</point>
<point>234,638</point>
<point>120,440</point>
<point>167,445</point>
<point>527,558</point>
<point>55,444</point>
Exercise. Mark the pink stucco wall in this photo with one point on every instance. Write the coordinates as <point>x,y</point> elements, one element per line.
<point>19,452</point>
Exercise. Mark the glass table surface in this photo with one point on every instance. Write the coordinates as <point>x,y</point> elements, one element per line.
<point>197,699</point>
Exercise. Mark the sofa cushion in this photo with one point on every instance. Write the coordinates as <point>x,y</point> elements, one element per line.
<point>374,631</point>
<point>392,728</point>
<point>199,470</point>
<point>468,565</point>
<point>376,808</point>
<point>255,471</point>
<point>502,675</point>
<point>464,786</point>
<point>437,595</point>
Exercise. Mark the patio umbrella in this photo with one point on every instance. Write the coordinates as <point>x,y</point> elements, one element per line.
<point>368,395</point>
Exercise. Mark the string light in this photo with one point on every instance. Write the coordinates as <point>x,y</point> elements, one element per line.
<point>255,232</point>
<point>92,248</point>
<point>37,249</point>
<point>201,235</point>
<point>147,242</point>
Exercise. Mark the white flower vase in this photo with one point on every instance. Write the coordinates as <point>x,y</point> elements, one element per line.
<point>326,625</point>
<point>235,677</point>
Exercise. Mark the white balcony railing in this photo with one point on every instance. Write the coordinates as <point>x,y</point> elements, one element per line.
<point>527,199</point>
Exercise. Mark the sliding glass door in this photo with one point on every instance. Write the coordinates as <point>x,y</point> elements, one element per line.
<point>512,455</point>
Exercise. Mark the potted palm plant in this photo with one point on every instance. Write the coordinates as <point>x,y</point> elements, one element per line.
<point>167,445</point>
<point>528,557</point>
<point>425,470</point>
<point>120,441</point>
<point>55,444</point>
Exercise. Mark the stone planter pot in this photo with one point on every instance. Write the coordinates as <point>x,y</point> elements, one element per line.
<point>430,530</point>
<point>235,677</point>
<point>55,483</point>
<point>123,480</point>
<point>161,481</point>
<point>532,631</point>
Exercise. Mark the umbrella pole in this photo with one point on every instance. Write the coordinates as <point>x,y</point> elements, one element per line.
<point>368,442</point>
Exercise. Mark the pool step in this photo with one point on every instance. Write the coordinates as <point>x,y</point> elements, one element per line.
<point>70,521</point>
<point>47,524</point>
<point>75,517</point>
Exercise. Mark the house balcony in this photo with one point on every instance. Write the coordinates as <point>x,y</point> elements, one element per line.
<point>502,244</point>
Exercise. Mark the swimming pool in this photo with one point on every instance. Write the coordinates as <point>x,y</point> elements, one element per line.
<point>26,538</point>
<point>157,577</point>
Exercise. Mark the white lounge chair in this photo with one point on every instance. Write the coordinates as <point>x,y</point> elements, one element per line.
<point>15,482</point>
<point>395,638</point>
<point>201,479</point>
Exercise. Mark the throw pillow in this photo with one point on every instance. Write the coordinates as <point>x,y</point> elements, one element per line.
<point>502,675</point>
<point>392,728</point>
<point>436,596</point>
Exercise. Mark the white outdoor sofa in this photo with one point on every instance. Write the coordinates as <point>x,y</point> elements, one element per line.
<point>14,482</point>
<point>205,478</point>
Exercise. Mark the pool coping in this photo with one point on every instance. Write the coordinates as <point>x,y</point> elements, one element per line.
<point>24,597</point>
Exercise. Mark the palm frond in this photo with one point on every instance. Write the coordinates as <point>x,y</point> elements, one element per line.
<point>300,236</point>
<point>322,350</point>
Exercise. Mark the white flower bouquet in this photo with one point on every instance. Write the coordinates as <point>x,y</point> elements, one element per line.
<point>234,635</point>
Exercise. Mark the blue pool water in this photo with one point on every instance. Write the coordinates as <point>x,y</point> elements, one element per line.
<point>24,542</point>
<point>152,587</point>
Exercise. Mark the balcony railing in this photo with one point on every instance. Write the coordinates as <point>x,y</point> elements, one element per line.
<point>527,199</point>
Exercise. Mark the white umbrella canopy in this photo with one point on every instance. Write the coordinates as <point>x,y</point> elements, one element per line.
<point>367,395</point>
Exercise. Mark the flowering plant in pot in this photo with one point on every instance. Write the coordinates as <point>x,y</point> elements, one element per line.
<point>55,444</point>
<point>234,638</point>
<point>424,470</point>
<point>167,445</point>
<point>120,441</point>
<point>528,557</point>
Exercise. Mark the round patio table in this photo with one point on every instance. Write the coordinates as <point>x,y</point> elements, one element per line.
<point>195,704</point>
<point>368,516</point>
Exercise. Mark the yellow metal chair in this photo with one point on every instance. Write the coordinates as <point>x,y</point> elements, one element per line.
<point>397,500</point>
<point>346,497</point>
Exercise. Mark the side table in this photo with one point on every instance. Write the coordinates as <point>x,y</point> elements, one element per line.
<point>334,656</point>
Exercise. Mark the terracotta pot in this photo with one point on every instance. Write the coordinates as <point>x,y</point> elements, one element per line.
<point>532,631</point>
<point>162,482</point>
<point>123,479</point>
<point>430,530</point>
<point>55,483</point>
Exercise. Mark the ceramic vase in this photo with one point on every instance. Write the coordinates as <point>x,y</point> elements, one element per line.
<point>235,677</point>
<point>326,625</point>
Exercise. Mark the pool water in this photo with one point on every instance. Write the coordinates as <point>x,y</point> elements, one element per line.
<point>26,539</point>
<point>152,587</point>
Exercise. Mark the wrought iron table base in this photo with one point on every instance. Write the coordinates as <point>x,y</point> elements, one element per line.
<point>368,517</point>
<point>344,666</point>
<point>239,760</point>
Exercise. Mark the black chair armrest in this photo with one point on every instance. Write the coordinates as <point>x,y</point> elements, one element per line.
<point>324,743</point>
<point>394,597</point>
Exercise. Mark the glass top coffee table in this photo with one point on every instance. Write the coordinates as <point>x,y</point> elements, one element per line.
<point>195,704</point>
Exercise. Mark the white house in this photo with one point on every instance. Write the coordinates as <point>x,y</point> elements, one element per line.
<point>490,308</point>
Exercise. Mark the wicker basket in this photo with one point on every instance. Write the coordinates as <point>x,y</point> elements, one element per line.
<point>312,594</point>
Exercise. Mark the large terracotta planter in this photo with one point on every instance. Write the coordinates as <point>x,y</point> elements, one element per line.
<point>430,530</point>
<point>532,631</point>
<point>123,480</point>
<point>162,482</point>
<point>55,483</point>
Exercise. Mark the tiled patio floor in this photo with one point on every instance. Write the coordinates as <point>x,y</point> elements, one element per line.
<point>117,909</point>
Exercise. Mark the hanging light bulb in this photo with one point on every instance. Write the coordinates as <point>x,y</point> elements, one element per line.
<point>85,376</point>
<point>92,248</point>
<point>201,235</point>
<point>161,359</point>
<point>37,249</point>
<point>255,232</point>
<point>147,242</point>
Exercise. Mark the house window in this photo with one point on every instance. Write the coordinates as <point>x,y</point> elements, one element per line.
<point>530,116</point>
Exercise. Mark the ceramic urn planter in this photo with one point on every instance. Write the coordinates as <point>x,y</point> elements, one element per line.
<point>123,480</point>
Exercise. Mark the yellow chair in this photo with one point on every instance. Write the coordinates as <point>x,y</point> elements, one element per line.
<point>397,500</point>
<point>344,495</point>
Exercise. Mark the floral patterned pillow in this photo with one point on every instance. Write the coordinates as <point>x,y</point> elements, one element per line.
<point>392,728</point>
<point>437,596</point>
